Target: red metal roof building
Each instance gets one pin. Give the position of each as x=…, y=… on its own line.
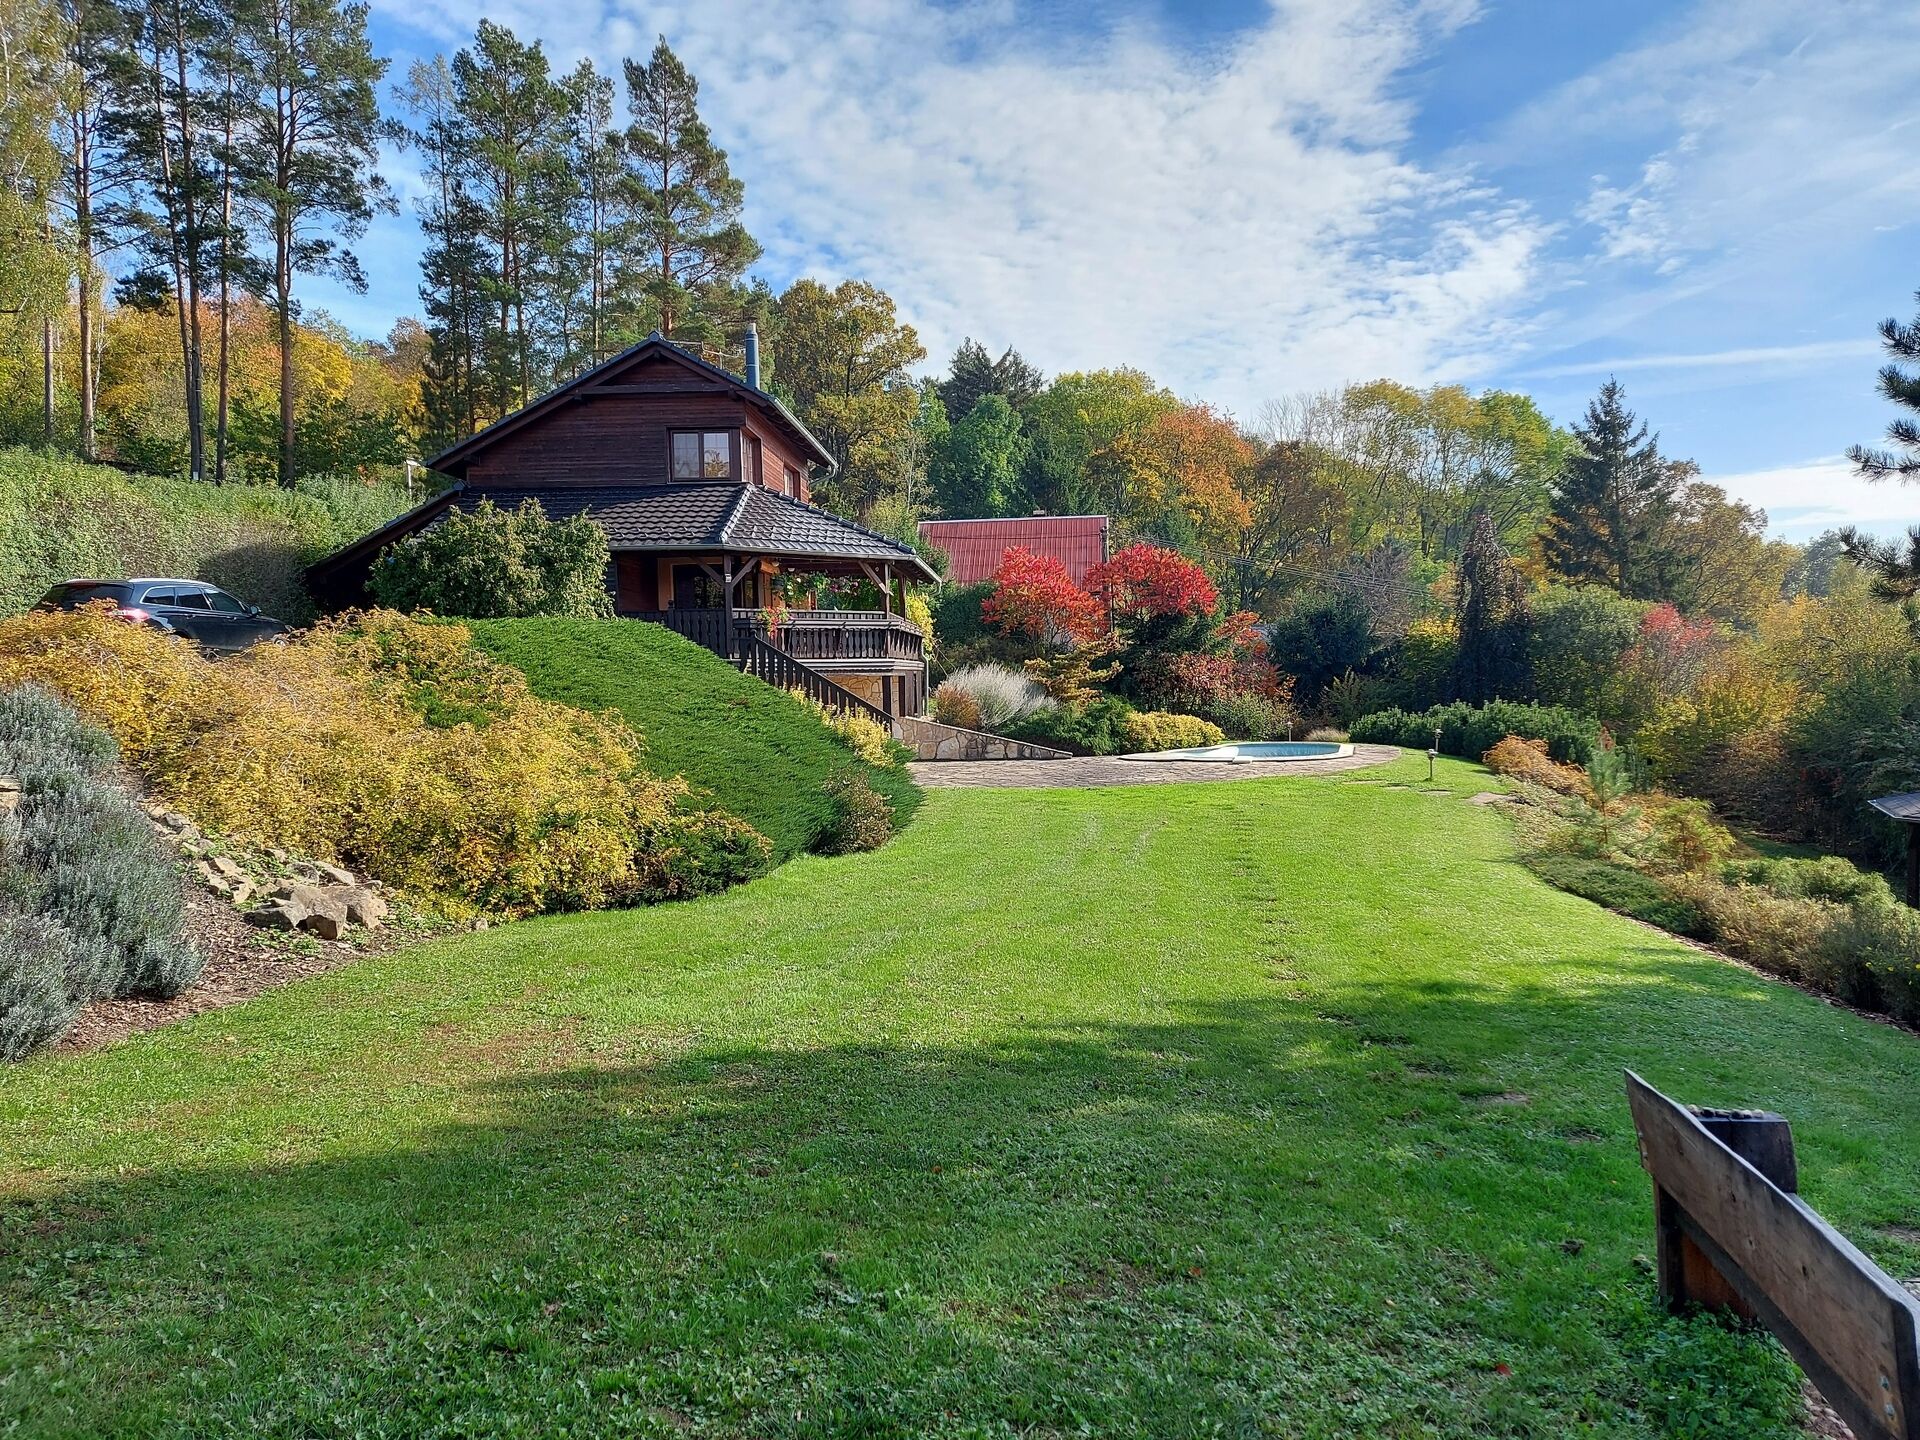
x=974, y=547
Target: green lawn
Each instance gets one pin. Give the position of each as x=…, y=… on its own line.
x=757, y=752
x=1284, y=1107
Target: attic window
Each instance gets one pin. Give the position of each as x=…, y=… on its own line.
x=703, y=455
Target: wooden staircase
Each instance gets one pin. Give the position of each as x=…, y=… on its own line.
x=765, y=662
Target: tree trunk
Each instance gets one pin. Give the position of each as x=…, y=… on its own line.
x=46, y=380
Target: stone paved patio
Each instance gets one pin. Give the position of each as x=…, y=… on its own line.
x=1110, y=770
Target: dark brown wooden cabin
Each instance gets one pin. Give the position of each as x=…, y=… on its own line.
x=703, y=484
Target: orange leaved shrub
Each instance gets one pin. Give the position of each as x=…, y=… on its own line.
x=1521, y=759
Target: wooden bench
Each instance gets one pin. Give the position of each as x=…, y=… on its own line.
x=1733, y=1235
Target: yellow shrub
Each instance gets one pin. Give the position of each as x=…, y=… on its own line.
x=377, y=740
x=865, y=736
x=1163, y=730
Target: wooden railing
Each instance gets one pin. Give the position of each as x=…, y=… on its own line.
x=1732, y=1234
x=780, y=669
x=803, y=634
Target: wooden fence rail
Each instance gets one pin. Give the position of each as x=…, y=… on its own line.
x=1733, y=1235
x=778, y=668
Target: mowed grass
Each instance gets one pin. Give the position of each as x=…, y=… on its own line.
x=1284, y=1107
x=754, y=751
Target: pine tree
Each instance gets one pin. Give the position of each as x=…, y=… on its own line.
x=512, y=124
x=309, y=156
x=32, y=282
x=974, y=374
x=158, y=116
x=450, y=270
x=598, y=231
x=1613, y=505
x=1902, y=387
x=690, y=250
x=1492, y=617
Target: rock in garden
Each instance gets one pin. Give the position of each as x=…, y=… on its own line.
x=9, y=793
x=365, y=908
x=325, y=924
x=280, y=915
x=174, y=820
x=226, y=866
x=242, y=892
x=325, y=911
x=334, y=873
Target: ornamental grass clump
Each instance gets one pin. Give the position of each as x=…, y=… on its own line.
x=385, y=743
x=999, y=696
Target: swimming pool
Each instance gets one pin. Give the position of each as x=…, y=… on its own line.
x=1247, y=751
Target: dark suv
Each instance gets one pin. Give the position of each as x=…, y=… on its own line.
x=203, y=613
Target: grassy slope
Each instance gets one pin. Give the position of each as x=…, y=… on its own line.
x=60, y=517
x=1270, y=1107
x=761, y=754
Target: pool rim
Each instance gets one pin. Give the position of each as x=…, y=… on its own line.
x=1210, y=754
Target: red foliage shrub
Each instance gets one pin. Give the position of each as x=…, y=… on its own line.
x=1034, y=595
x=1144, y=581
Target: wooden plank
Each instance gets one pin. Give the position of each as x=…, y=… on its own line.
x=1849, y=1325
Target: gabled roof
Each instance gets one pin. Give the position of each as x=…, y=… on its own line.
x=455, y=458
x=974, y=547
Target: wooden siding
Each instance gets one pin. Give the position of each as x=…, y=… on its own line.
x=616, y=432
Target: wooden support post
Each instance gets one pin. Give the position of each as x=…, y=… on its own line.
x=886, y=589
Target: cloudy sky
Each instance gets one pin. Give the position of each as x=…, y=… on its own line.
x=1714, y=200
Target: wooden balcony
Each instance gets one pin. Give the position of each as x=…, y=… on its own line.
x=843, y=639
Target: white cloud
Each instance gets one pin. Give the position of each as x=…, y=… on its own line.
x=1746, y=357
x=1802, y=500
x=1768, y=126
x=1239, y=222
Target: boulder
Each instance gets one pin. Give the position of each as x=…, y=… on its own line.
x=242, y=892
x=284, y=914
x=334, y=873
x=364, y=907
x=325, y=911
x=324, y=923
x=226, y=867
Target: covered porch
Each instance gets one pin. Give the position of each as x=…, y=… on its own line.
x=726, y=602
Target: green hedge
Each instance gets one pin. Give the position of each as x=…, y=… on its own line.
x=1628, y=891
x=60, y=518
x=1470, y=731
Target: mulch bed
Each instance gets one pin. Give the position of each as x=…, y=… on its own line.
x=242, y=961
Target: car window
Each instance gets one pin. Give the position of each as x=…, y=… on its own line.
x=72, y=595
x=224, y=603
x=191, y=600
x=157, y=596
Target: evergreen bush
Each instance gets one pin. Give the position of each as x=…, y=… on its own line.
x=1471, y=730
x=862, y=819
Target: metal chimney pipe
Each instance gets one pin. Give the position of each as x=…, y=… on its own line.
x=753, y=354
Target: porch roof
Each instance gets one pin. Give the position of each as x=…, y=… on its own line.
x=714, y=515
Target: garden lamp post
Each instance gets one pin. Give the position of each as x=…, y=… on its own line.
x=1906, y=809
x=1433, y=753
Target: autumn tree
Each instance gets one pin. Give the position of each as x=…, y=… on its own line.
x=1197, y=459
x=1298, y=521
x=688, y=250
x=1613, y=508
x=1035, y=597
x=1090, y=448
x=845, y=364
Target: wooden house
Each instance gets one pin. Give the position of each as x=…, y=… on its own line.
x=702, y=482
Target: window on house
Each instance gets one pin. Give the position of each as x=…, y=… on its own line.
x=790, y=482
x=703, y=455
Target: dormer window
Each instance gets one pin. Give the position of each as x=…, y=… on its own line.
x=703, y=455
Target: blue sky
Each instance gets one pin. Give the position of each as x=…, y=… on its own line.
x=1714, y=200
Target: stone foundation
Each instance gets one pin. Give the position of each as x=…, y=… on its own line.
x=930, y=740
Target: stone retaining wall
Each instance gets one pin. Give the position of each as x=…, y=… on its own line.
x=930, y=740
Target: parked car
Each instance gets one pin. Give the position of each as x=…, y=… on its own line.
x=203, y=613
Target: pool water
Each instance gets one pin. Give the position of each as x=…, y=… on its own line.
x=1248, y=750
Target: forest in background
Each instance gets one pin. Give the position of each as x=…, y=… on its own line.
x=182, y=170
